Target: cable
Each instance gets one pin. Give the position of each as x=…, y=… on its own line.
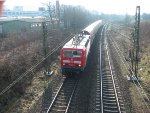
x=122, y=34
x=33, y=67
x=121, y=25
x=134, y=77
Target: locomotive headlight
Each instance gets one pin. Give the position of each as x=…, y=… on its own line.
x=79, y=65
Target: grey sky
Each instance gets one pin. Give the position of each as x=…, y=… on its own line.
x=105, y=6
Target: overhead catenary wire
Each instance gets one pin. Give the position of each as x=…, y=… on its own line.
x=131, y=71
x=120, y=25
x=122, y=35
x=33, y=67
x=141, y=92
x=137, y=86
x=129, y=67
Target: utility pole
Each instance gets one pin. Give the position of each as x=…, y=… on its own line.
x=135, y=41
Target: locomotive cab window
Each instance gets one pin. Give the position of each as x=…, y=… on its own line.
x=72, y=54
x=77, y=54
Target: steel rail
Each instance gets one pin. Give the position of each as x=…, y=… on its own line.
x=101, y=68
x=57, y=94
x=112, y=76
x=55, y=97
x=127, y=67
x=71, y=97
x=103, y=33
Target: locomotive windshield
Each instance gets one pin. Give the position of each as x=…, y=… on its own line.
x=72, y=54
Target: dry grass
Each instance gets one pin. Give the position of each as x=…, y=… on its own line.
x=18, y=52
x=137, y=103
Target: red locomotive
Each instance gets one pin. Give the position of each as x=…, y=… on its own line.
x=74, y=53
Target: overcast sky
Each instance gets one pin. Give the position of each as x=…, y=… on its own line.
x=105, y=6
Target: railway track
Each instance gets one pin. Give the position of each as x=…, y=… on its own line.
x=63, y=97
x=108, y=98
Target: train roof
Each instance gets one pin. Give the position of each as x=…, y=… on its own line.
x=80, y=41
x=73, y=45
x=89, y=28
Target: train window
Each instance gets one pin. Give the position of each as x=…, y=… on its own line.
x=77, y=54
x=68, y=54
x=72, y=54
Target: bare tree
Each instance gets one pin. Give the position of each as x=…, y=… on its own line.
x=51, y=12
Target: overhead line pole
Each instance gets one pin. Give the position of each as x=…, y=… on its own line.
x=135, y=42
x=45, y=45
x=137, y=30
x=45, y=50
